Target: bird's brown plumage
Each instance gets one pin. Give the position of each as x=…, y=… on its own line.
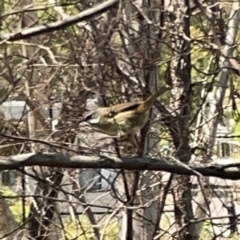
x=123, y=118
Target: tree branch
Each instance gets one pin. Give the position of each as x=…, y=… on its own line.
x=112, y=162
x=82, y=16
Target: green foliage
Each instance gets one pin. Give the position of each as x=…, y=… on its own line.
x=15, y=203
x=6, y=191
x=207, y=233
x=72, y=229
x=81, y=229
x=237, y=131
x=17, y=210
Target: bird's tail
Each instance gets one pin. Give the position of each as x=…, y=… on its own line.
x=148, y=103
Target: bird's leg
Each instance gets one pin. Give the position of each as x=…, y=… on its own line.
x=131, y=144
x=132, y=139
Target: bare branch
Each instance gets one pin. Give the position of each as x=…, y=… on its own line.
x=112, y=162
x=82, y=16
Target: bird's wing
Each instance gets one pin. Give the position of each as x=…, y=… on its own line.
x=110, y=112
x=122, y=107
x=95, y=113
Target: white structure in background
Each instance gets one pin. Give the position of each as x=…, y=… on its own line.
x=13, y=109
x=226, y=146
x=16, y=110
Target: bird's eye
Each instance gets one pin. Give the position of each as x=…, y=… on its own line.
x=111, y=114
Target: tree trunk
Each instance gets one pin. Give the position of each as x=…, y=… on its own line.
x=42, y=211
x=180, y=75
x=140, y=44
x=215, y=106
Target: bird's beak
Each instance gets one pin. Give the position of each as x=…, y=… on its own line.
x=84, y=124
x=94, y=120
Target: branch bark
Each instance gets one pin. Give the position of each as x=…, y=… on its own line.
x=112, y=162
x=82, y=16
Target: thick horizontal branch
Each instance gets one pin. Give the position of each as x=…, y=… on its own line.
x=82, y=16
x=230, y=171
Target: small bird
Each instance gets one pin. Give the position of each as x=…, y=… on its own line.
x=123, y=119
